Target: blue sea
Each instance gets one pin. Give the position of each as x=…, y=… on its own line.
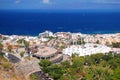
x=35, y=22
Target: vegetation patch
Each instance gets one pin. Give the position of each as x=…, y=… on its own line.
x=95, y=67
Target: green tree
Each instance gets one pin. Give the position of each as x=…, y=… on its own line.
x=96, y=58
x=68, y=77
x=108, y=56
x=1, y=47
x=9, y=48
x=45, y=63
x=116, y=74
x=100, y=73
x=22, y=54
x=26, y=44
x=56, y=71
x=75, y=55
x=33, y=77
x=65, y=64
x=114, y=63
x=23, y=42
x=78, y=63
x=20, y=41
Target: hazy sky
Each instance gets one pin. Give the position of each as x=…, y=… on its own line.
x=60, y=4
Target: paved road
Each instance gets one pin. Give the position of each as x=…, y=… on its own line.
x=13, y=58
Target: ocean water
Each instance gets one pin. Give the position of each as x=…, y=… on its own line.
x=35, y=22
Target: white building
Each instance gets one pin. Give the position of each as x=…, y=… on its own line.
x=46, y=34
x=87, y=49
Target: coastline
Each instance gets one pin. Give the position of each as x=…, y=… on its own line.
x=87, y=33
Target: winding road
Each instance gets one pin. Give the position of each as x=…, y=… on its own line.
x=13, y=58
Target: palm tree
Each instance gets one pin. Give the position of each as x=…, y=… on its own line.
x=101, y=73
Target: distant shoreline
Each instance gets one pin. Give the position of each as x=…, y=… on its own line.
x=94, y=33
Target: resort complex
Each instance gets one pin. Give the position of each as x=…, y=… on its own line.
x=87, y=49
